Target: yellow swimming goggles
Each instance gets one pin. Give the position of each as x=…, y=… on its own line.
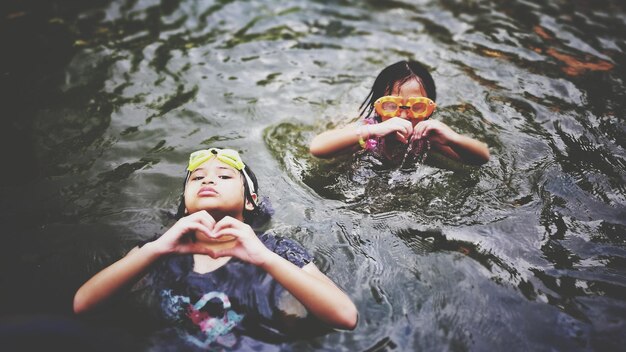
x=227, y=156
x=419, y=108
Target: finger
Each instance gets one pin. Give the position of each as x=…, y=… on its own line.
x=197, y=214
x=205, y=218
x=209, y=224
x=402, y=127
x=413, y=135
x=187, y=225
x=424, y=127
x=200, y=217
x=194, y=248
x=409, y=127
x=229, y=231
x=401, y=138
x=429, y=130
x=419, y=130
x=198, y=227
x=226, y=222
x=225, y=252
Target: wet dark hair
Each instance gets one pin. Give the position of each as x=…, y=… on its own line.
x=397, y=74
x=249, y=216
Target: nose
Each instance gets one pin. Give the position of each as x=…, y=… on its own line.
x=208, y=180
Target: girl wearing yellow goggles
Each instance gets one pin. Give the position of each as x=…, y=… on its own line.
x=231, y=158
x=228, y=156
x=394, y=116
x=211, y=252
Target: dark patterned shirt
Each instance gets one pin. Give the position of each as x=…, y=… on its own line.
x=227, y=306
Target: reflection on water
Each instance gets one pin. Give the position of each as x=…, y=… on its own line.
x=104, y=101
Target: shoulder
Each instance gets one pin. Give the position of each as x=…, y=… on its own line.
x=286, y=248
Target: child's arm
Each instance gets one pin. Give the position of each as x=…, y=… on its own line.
x=308, y=285
x=314, y=290
x=127, y=270
x=331, y=143
x=334, y=142
x=113, y=278
x=451, y=143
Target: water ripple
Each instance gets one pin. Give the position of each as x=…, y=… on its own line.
x=526, y=251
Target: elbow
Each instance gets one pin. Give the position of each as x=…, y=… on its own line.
x=323, y=150
x=348, y=318
x=322, y=146
x=319, y=153
x=316, y=149
x=479, y=158
x=479, y=161
x=80, y=304
x=351, y=321
x=485, y=155
x=483, y=158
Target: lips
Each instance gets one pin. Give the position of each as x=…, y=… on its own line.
x=207, y=192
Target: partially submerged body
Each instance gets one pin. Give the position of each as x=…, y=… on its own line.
x=395, y=126
x=212, y=258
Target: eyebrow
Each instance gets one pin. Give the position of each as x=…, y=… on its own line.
x=194, y=171
x=226, y=168
x=219, y=168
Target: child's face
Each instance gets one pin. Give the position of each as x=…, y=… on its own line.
x=410, y=88
x=217, y=188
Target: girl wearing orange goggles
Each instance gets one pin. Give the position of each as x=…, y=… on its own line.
x=396, y=114
x=418, y=108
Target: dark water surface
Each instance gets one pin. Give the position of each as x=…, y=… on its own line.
x=103, y=101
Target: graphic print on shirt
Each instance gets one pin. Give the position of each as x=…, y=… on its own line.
x=212, y=329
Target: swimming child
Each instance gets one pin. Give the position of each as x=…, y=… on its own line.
x=395, y=116
x=215, y=280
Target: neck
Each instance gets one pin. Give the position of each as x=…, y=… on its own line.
x=218, y=215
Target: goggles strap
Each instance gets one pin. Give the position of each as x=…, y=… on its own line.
x=250, y=183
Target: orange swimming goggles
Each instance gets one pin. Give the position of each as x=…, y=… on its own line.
x=418, y=108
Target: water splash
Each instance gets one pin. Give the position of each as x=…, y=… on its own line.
x=423, y=147
x=413, y=155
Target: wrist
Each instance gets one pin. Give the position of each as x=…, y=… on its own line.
x=359, y=136
x=363, y=134
x=154, y=249
x=366, y=131
x=269, y=261
x=371, y=131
